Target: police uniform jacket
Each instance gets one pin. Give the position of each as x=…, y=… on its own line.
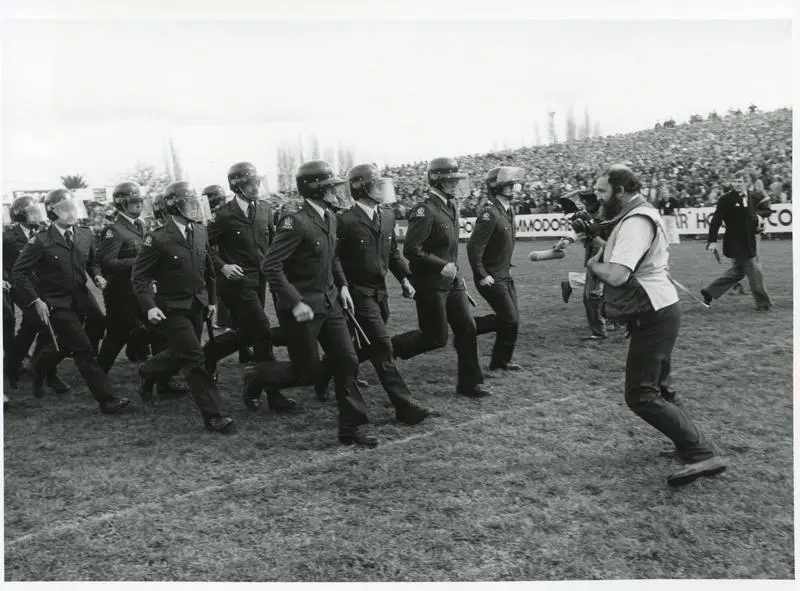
x=367, y=251
x=50, y=269
x=237, y=241
x=14, y=241
x=184, y=274
x=741, y=222
x=120, y=243
x=432, y=242
x=491, y=244
x=301, y=264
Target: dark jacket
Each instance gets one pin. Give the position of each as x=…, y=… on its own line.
x=741, y=223
x=301, y=263
x=119, y=244
x=367, y=252
x=236, y=241
x=184, y=275
x=491, y=243
x=50, y=269
x=432, y=242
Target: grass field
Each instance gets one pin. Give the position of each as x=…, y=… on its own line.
x=551, y=478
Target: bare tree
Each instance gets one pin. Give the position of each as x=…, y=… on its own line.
x=73, y=182
x=176, y=169
x=572, y=126
x=596, y=129
x=551, y=127
x=315, y=152
x=536, y=134
x=586, y=129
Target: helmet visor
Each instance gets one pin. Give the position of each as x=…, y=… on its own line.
x=511, y=175
x=195, y=208
x=35, y=213
x=459, y=188
x=253, y=188
x=381, y=191
x=70, y=210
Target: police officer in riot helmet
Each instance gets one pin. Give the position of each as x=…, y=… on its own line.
x=50, y=275
x=176, y=257
x=304, y=272
x=490, y=248
x=431, y=247
x=28, y=217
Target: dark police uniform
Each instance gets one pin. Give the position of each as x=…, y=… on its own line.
x=50, y=268
x=739, y=213
x=432, y=242
x=184, y=272
x=120, y=243
x=489, y=249
x=301, y=265
x=368, y=249
x=16, y=347
x=235, y=239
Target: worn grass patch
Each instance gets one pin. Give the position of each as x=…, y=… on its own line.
x=551, y=478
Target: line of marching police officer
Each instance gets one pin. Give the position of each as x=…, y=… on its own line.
x=325, y=270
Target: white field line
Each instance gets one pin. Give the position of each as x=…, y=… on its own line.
x=80, y=523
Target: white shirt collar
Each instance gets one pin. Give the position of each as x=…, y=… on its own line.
x=64, y=230
x=370, y=211
x=25, y=231
x=243, y=204
x=441, y=196
x=181, y=226
x=317, y=208
x=129, y=218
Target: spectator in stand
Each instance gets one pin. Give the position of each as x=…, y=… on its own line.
x=668, y=207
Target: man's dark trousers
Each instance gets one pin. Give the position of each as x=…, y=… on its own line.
x=435, y=309
x=329, y=329
x=372, y=313
x=122, y=312
x=647, y=370
x=183, y=330
x=72, y=340
x=502, y=297
x=246, y=305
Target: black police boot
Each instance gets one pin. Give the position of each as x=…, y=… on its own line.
x=38, y=382
x=411, y=414
x=114, y=406
x=278, y=402
x=219, y=424
x=566, y=291
x=251, y=389
x=53, y=381
x=360, y=435
x=476, y=391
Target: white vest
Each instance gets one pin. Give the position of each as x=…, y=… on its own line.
x=652, y=273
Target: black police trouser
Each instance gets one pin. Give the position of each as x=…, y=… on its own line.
x=372, y=314
x=329, y=329
x=435, y=309
x=20, y=344
x=647, y=370
x=94, y=324
x=123, y=314
x=67, y=324
x=9, y=324
x=183, y=330
x=246, y=305
x=502, y=297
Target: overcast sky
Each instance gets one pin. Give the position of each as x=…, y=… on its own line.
x=95, y=97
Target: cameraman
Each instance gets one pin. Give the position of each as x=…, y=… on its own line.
x=633, y=265
x=593, y=301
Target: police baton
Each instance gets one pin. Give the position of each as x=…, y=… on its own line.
x=359, y=331
x=469, y=297
x=53, y=335
x=210, y=329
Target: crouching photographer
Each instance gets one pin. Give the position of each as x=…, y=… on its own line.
x=638, y=290
x=583, y=209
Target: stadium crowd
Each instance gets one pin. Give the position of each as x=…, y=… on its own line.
x=690, y=162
